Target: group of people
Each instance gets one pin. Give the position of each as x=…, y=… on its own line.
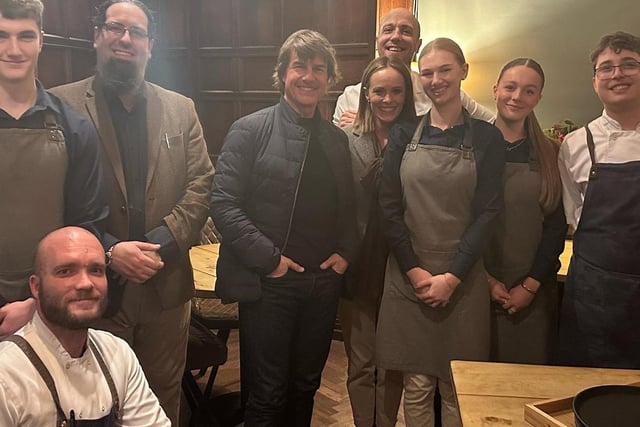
x=431, y=225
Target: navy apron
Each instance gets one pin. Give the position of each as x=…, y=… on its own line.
x=600, y=314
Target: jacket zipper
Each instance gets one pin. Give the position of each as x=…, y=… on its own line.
x=295, y=196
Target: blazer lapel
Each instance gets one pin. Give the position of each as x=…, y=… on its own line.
x=101, y=117
x=364, y=149
x=154, y=132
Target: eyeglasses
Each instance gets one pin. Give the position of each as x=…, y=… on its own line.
x=627, y=68
x=118, y=30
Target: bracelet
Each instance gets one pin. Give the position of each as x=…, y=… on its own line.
x=531, y=291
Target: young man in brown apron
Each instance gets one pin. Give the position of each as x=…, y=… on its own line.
x=57, y=372
x=600, y=171
x=49, y=166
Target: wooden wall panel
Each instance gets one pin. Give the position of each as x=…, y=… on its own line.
x=218, y=112
x=218, y=73
x=52, y=67
x=259, y=26
x=213, y=22
x=250, y=80
x=78, y=18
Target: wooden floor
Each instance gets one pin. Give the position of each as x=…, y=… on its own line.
x=332, y=407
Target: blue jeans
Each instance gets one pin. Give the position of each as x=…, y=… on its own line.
x=286, y=337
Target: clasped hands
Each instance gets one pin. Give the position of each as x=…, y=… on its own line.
x=516, y=299
x=435, y=291
x=135, y=261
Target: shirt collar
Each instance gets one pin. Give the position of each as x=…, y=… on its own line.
x=44, y=101
x=52, y=342
x=612, y=125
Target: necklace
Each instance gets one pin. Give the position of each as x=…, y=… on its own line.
x=513, y=145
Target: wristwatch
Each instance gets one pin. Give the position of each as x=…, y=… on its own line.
x=108, y=255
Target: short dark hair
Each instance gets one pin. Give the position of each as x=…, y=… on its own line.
x=616, y=42
x=308, y=44
x=22, y=9
x=101, y=14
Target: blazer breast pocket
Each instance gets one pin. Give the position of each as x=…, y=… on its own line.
x=174, y=144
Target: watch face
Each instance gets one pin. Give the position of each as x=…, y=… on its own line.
x=107, y=257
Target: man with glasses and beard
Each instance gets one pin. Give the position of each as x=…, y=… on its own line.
x=158, y=176
x=57, y=369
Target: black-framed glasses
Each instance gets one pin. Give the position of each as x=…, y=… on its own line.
x=629, y=67
x=118, y=30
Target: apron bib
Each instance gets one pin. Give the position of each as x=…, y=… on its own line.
x=33, y=167
x=108, y=420
x=524, y=337
x=438, y=184
x=600, y=315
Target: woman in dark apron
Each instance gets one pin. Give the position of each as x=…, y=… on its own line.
x=440, y=194
x=522, y=256
x=386, y=96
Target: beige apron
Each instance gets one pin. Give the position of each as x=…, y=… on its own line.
x=438, y=185
x=33, y=167
x=524, y=337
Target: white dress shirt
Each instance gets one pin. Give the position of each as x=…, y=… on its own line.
x=349, y=99
x=25, y=399
x=612, y=145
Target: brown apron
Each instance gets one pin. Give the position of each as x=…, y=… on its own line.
x=33, y=167
x=524, y=337
x=438, y=184
x=109, y=420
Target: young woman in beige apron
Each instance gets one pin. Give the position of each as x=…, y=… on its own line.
x=522, y=256
x=441, y=191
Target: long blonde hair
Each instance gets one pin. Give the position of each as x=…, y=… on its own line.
x=546, y=148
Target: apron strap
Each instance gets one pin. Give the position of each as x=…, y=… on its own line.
x=107, y=375
x=51, y=124
x=31, y=354
x=415, y=139
x=593, y=172
x=50, y=121
x=467, y=142
x=534, y=162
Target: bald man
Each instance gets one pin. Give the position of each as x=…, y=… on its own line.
x=399, y=38
x=94, y=375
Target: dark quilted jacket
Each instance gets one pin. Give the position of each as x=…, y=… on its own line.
x=253, y=195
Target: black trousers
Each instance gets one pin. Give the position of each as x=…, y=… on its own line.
x=285, y=338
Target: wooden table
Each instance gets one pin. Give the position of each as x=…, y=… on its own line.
x=203, y=260
x=494, y=394
x=565, y=258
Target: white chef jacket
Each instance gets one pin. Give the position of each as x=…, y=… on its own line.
x=612, y=145
x=25, y=399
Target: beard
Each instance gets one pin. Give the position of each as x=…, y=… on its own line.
x=57, y=312
x=119, y=76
